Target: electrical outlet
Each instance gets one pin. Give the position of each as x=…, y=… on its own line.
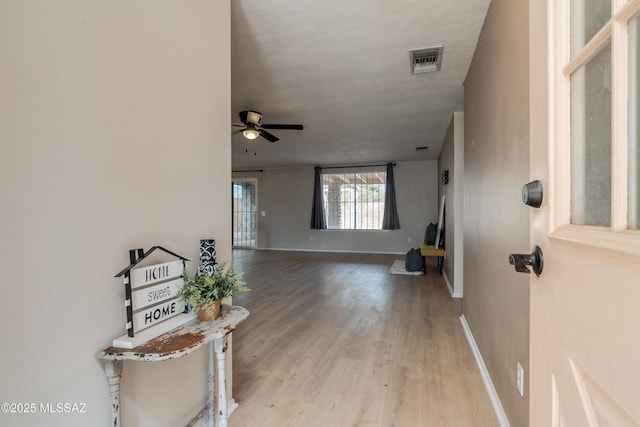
x=520, y=378
x=409, y=240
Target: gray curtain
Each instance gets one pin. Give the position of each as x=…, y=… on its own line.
x=390, y=220
x=318, y=221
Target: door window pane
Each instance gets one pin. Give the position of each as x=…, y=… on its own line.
x=634, y=116
x=244, y=214
x=591, y=141
x=587, y=18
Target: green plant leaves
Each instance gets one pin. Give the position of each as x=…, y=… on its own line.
x=200, y=289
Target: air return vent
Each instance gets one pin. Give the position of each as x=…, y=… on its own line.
x=426, y=60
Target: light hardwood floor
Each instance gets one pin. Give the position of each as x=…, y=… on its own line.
x=335, y=340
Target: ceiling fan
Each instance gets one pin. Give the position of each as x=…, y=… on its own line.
x=253, y=128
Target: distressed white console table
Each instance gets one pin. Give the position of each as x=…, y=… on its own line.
x=179, y=342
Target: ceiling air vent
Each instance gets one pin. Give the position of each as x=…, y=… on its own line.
x=426, y=60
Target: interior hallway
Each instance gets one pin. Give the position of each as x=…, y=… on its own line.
x=335, y=340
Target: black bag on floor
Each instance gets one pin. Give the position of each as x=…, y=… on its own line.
x=413, y=260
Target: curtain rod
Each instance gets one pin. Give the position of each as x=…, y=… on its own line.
x=352, y=167
x=251, y=170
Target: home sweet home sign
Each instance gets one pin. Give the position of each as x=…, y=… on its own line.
x=151, y=300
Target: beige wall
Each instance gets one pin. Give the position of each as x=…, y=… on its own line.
x=446, y=162
x=496, y=222
x=451, y=159
x=286, y=195
x=114, y=133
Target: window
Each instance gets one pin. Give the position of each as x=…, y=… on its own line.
x=596, y=119
x=354, y=201
x=591, y=141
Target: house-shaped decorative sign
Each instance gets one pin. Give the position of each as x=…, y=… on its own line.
x=151, y=301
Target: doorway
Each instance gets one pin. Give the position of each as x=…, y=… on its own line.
x=244, y=213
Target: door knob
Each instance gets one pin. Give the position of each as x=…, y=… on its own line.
x=534, y=259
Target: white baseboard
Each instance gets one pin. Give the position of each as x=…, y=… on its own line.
x=451, y=291
x=326, y=251
x=232, y=405
x=493, y=394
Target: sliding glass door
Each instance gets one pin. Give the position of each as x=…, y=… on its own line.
x=244, y=214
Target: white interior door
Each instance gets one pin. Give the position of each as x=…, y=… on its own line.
x=585, y=306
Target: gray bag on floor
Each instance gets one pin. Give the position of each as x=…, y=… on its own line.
x=413, y=260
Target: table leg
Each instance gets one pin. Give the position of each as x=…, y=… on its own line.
x=113, y=370
x=220, y=348
x=212, y=385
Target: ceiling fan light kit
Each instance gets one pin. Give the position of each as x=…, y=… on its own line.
x=251, y=132
x=253, y=128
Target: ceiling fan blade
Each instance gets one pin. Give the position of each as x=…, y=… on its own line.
x=237, y=126
x=243, y=116
x=287, y=127
x=268, y=136
x=235, y=132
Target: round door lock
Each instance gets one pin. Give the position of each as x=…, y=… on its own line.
x=532, y=194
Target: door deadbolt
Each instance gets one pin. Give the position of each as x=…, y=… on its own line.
x=532, y=194
x=534, y=259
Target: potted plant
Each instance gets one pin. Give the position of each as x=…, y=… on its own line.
x=204, y=292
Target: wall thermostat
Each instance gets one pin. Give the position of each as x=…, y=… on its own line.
x=445, y=177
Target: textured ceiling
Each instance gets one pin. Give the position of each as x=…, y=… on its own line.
x=342, y=70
